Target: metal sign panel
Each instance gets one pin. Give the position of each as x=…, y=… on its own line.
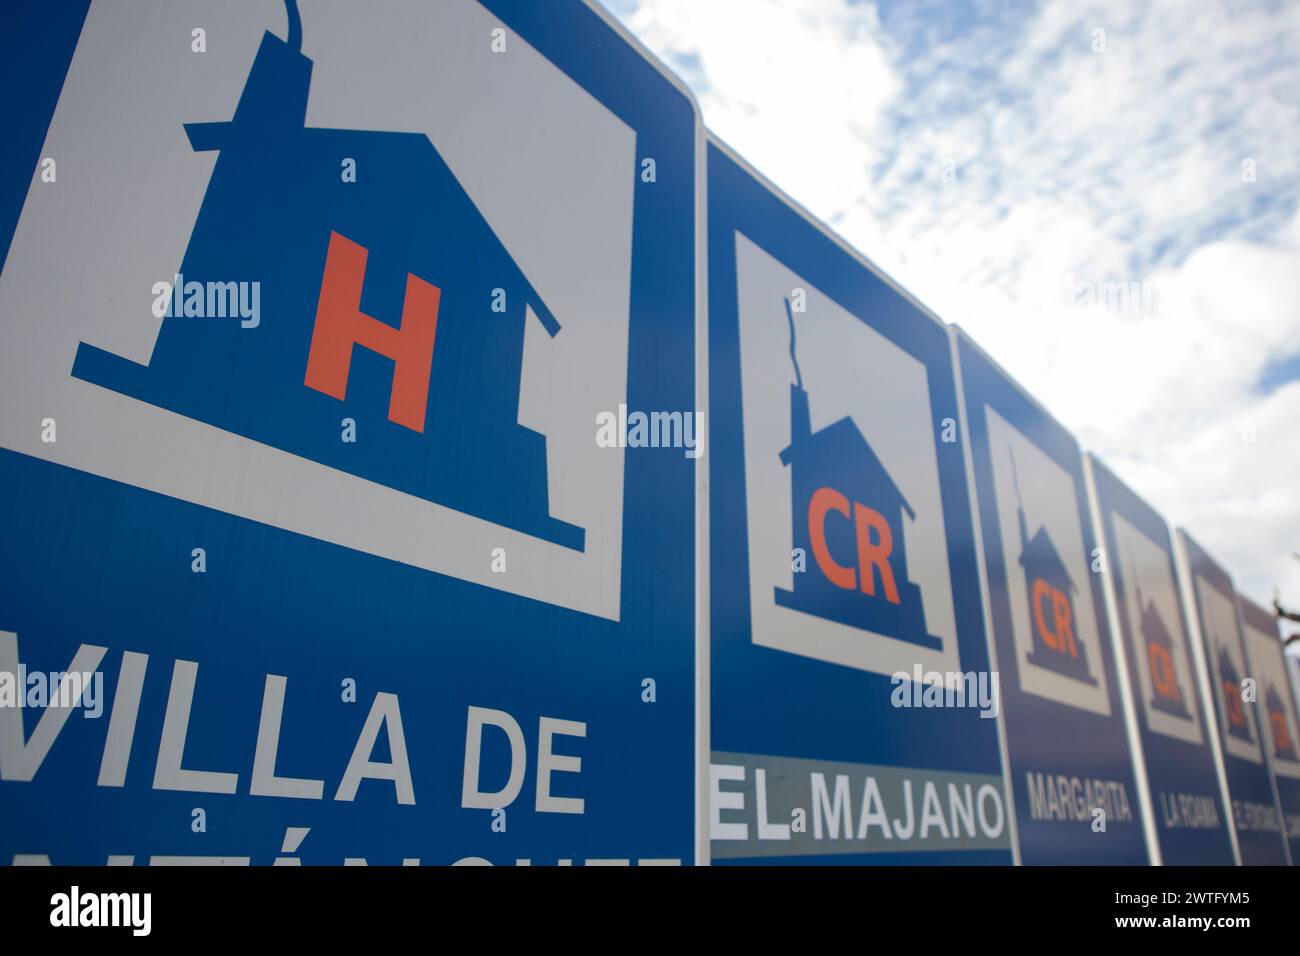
x=1188, y=807
x=329, y=340
x=1072, y=773
x=1275, y=714
x=853, y=719
x=1254, y=810
x=1293, y=670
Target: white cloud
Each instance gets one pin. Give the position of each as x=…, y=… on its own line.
x=797, y=88
x=1123, y=166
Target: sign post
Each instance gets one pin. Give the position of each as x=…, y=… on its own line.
x=1187, y=797
x=1275, y=713
x=854, y=711
x=1072, y=775
x=325, y=452
x=1213, y=602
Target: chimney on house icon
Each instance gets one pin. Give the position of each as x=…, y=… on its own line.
x=848, y=516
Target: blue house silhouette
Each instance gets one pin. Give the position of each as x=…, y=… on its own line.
x=839, y=457
x=1042, y=562
x=1283, y=743
x=1230, y=688
x=275, y=197
x=1159, y=645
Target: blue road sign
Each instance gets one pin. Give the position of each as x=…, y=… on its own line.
x=853, y=718
x=313, y=546
x=1254, y=809
x=1187, y=802
x=1071, y=768
x=1275, y=713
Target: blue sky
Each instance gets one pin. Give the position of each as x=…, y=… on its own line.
x=1105, y=194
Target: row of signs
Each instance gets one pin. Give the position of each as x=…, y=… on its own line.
x=552, y=490
x=953, y=530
